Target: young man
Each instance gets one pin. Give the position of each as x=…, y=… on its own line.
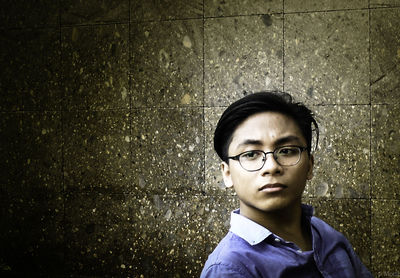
x=264, y=141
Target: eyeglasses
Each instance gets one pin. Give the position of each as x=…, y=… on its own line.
x=254, y=160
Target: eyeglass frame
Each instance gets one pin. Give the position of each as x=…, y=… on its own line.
x=237, y=157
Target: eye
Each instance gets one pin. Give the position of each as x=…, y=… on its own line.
x=287, y=151
x=251, y=155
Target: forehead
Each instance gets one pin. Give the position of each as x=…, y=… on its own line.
x=266, y=127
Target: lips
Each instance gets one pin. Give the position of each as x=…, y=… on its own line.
x=272, y=187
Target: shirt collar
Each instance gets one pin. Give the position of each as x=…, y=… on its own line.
x=253, y=232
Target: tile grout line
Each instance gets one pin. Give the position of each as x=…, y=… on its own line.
x=169, y=107
x=370, y=134
x=204, y=106
x=130, y=92
x=191, y=18
x=130, y=76
x=129, y=57
x=62, y=120
x=283, y=45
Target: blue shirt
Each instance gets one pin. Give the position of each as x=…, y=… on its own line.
x=251, y=250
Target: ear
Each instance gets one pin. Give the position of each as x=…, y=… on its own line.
x=226, y=174
x=310, y=167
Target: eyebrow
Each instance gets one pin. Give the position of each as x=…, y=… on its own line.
x=250, y=142
x=287, y=139
x=280, y=141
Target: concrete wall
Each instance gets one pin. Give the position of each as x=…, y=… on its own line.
x=107, y=115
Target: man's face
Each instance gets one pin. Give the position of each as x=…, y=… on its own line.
x=273, y=187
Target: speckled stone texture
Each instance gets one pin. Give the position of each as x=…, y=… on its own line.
x=384, y=3
x=97, y=151
x=214, y=182
x=231, y=66
x=167, y=66
x=330, y=64
x=107, y=114
x=385, y=56
x=31, y=193
x=144, y=10
x=30, y=77
x=385, y=160
x=92, y=11
x=343, y=154
x=386, y=237
x=167, y=151
x=217, y=8
x=95, y=66
x=323, y=5
x=27, y=14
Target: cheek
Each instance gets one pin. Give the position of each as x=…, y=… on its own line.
x=237, y=179
x=302, y=173
x=241, y=179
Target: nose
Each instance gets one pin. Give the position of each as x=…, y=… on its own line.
x=271, y=167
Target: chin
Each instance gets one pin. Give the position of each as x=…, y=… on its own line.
x=277, y=205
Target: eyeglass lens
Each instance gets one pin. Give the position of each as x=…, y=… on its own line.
x=284, y=156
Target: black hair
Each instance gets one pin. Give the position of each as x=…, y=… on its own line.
x=265, y=101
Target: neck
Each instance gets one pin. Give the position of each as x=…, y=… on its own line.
x=280, y=221
x=285, y=222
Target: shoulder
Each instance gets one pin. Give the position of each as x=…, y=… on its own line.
x=333, y=248
x=325, y=229
x=326, y=235
x=227, y=259
x=223, y=270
